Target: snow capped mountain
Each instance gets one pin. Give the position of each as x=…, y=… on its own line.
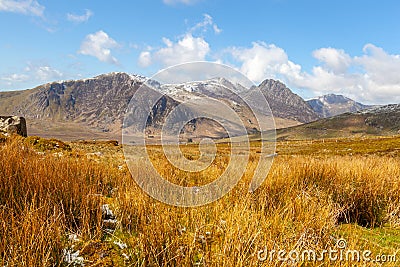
x=95, y=107
x=217, y=87
x=331, y=105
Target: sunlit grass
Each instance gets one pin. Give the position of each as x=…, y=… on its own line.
x=314, y=193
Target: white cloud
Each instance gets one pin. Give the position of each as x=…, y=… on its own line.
x=80, y=18
x=99, y=45
x=42, y=72
x=334, y=60
x=187, y=49
x=32, y=73
x=45, y=73
x=204, y=25
x=371, y=78
x=381, y=74
x=186, y=2
x=26, y=7
x=216, y=29
x=145, y=59
x=14, y=78
x=264, y=60
x=379, y=65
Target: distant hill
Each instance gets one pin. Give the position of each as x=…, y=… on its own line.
x=331, y=105
x=378, y=121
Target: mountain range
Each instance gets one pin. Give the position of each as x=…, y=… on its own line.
x=94, y=108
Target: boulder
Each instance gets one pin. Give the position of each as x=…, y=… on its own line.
x=13, y=125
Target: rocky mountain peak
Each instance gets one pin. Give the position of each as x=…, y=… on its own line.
x=286, y=104
x=120, y=75
x=272, y=84
x=334, y=99
x=332, y=104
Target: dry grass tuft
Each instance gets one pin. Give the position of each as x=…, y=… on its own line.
x=42, y=198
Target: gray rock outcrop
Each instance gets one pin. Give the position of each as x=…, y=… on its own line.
x=13, y=125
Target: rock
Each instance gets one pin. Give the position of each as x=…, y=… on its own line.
x=13, y=125
x=72, y=258
x=109, y=219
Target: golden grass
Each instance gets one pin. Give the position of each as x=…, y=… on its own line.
x=43, y=197
x=299, y=207
x=309, y=199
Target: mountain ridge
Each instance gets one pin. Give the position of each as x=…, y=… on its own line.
x=95, y=107
x=376, y=121
x=332, y=104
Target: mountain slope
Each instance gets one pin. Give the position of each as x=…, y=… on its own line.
x=379, y=121
x=94, y=108
x=233, y=95
x=74, y=109
x=331, y=105
x=285, y=104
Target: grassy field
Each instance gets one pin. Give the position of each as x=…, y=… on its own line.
x=69, y=204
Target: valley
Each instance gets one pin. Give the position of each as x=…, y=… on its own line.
x=70, y=194
x=94, y=108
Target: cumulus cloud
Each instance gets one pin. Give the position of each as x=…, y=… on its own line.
x=264, y=60
x=370, y=78
x=31, y=73
x=26, y=7
x=335, y=60
x=379, y=65
x=185, y=2
x=186, y=49
x=99, y=45
x=80, y=18
x=43, y=73
x=192, y=46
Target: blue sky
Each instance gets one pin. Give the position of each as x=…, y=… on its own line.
x=314, y=46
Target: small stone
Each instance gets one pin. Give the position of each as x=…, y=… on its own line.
x=107, y=212
x=120, y=244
